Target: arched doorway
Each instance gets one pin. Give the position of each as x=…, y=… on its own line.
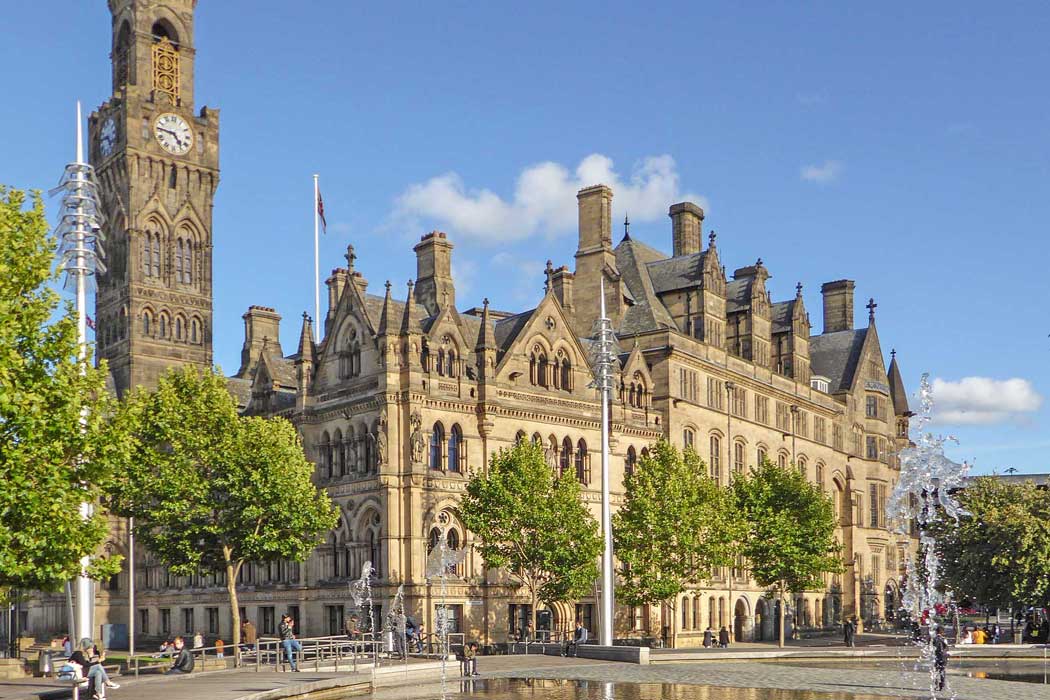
x=889, y=603
x=743, y=629
x=764, y=628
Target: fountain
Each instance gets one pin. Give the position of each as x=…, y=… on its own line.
x=923, y=494
x=397, y=623
x=361, y=593
x=440, y=562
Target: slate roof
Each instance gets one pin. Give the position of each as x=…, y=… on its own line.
x=669, y=274
x=898, y=393
x=647, y=311
x=782, y=312
x=738, y=294
x=835, y=356
x=240, y=389
x=507, y=329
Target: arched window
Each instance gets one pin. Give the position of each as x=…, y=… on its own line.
x=566, y=375
x=324, y=454
x=532, y=370
x=520, y=437
x=455, y=444
x=338, y=454
x=195, y=331
x=156, y=255
x=147, y=254
x=761, y=456
x=542, y=370
x=178, y=260
x=424, y=357
x=566, y=455
x=631, y=462
x=452, y=540
x=583, y=463
x=716, y=459
x=441, y=363
x=556, y=375
x=630, y=396
x=433, y=539
x=688, y=439
x=782, y=460
x=437, y=440
x=820, y=476
x=451, y=369
x=801, y=464
x=147, y=323
x=375, y=553
x=163, y=325
x=645, y=452
x=355, y=359
x=187, y=262
x=537, y=439
x=738, y=458
x=178, y=328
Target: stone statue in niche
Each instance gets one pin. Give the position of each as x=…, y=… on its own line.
x=417, y=441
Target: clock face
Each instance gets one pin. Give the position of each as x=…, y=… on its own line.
x=173, y=134
x=107, y=137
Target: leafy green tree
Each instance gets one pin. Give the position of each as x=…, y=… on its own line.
x=676, y=525
x=790, y=530
x=999, y=554
x=534, y=524
x=55, y=445
x=211, y=490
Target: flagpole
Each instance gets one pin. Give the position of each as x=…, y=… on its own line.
x=317, y=269
x=608, y=585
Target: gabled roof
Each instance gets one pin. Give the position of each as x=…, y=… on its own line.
x=647, y=311
x=507, y=329
x=669, y=274
x=836, y=355
x=782, y=312
x=738, y=294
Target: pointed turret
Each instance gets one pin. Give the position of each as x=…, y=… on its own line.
x=386, y=325
x=897, y=392
x=409, y=319
x=304, y=362
x=486, y=335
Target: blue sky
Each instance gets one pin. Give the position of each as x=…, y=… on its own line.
x=904, y=146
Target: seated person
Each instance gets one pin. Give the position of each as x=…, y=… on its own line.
x=579, y=637
x=184, y=661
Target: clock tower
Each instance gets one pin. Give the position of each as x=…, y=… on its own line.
x=157, y=161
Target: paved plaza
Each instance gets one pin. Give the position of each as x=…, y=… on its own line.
x=740, y=671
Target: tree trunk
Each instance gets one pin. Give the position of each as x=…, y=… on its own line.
x=672, y=622
x=235, y=610
x=532, y=613
x=780, y=616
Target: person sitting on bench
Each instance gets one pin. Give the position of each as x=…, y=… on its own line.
x=579, y=637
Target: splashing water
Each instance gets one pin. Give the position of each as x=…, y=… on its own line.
x=361, y=592
x=923, y=495
x=440, y=562
x=397, y=623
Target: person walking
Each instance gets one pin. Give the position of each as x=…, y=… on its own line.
x=291, y=645
x=248, y=637
x=220, y=649
x=183, y=660
x=723, y=638
x=578, y=638
x=709, y=637
x=850, y=632
x=940, y=657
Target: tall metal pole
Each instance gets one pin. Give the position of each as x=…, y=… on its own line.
x=608, y=590
x=79, y=231
x=85, y=588
x=131, y=587
x=317, y=265
x=730, y=389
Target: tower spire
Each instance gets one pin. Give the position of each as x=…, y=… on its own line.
x=385, y=317
x=486, y=336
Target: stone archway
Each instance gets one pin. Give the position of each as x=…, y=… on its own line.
x=763, y=628
x=743, y=625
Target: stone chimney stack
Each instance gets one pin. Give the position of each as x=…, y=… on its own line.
x=838, y=305
x=687, y=227
x=336, y=284
x=434, y=288
x=261, y=323
x=595, y=208
x=562, y=282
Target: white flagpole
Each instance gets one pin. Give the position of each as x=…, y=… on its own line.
x=317, y=268
x=608, y=590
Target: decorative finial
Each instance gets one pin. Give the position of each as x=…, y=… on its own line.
x=306, y=317
x=871, y=308
x=626, y=228
x=387, y=285
x=798, y=289
x=893, y=354
x=711, y=238
x=550, y=276
x=350, y=257
x=758, y=263
x=410, y=285
x=485, y=302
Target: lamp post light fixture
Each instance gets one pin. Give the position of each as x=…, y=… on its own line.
x=80, y=237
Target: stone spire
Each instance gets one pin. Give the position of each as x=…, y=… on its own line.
x=409, y=320
x=898, y=394
x=304, y=363
x=386, y=317
x=486, y=336
x=306, y=340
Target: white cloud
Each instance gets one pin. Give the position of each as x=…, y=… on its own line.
x=544, y=199
x=983, y=401
x=828, y=171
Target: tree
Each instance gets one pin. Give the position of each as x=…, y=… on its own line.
x=676, y=525
x=211, y=490
x=790, y=530
x=534, y=524
x=999, y=553
x=55, y=445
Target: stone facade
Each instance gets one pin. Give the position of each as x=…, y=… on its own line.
x=407, y=394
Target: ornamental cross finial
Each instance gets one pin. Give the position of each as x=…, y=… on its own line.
x=626, y=228
x=871, y=308
x=350, y=257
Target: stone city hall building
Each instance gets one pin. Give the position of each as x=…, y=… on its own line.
x=409, y=391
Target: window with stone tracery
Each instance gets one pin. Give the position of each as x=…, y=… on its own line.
x=165, y=62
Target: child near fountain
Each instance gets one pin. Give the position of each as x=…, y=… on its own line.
x=469, y=660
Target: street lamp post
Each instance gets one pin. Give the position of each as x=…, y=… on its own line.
x=80, y=235
x=794, y=430
x=604, y=357
x=730, y=389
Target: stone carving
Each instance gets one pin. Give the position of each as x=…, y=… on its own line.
x=418, y=442
x=381, y=444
